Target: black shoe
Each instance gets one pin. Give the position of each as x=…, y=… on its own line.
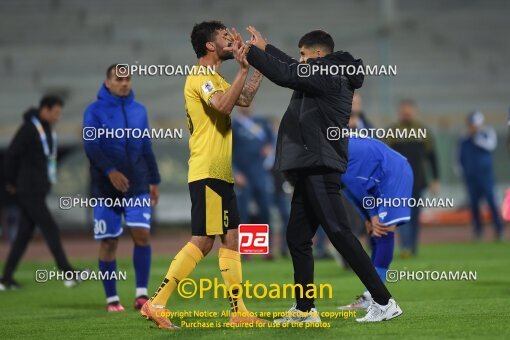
x=9, y=284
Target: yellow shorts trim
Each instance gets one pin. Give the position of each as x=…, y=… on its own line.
x=213, y=212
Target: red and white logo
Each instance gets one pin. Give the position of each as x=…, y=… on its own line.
x=254, y=238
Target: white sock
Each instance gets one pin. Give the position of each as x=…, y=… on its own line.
x=111, y=299
x=367, y=294
x=141, y=291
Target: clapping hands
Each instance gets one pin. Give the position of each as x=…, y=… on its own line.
x=240, y=49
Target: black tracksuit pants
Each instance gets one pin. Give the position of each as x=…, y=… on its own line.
x=34, y=212
x=317, y=200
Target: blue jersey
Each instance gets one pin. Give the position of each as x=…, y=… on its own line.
x=376, y=170
x=131, y=156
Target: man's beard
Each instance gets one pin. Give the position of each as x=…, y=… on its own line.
x=226, y=56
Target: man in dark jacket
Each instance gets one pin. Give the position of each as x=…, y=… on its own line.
x=121, y=167
x=314, y=160
x=419, y=152
x=476, y=160
x=30, y=169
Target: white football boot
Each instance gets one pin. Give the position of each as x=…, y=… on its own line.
x=361, y=302
x=376, y=312
x=295, y=315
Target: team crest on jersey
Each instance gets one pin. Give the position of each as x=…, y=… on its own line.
x=208, y=87
x=383, y=215
x=147, y=216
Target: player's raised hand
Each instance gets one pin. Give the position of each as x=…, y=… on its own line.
x=256, y=38
x=230, y=38
x=240, y=55
x=240, y=50
x=234, y=38
x=237, y=38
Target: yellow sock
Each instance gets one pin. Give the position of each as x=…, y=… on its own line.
x=232, y=273
x=182, y=265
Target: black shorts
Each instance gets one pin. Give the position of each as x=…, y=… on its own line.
x=213, y=207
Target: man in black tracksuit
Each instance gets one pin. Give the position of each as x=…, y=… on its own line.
x=30, y=164
x=314, y=162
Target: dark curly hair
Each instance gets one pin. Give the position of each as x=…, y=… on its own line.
x=203, y=33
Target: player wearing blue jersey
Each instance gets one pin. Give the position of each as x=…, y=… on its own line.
x=123, y=168
x=379, y=182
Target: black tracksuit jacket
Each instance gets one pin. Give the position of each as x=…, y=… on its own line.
x=318, y=102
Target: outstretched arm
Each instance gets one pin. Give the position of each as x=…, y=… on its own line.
x=225, y=101
x=286, y=75
x=250, y=89
x=279, y=54
x=259, y=41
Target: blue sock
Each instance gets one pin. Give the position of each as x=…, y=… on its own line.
x=110, y=286
x=382, y=253
x=381, y=272
x=142, y=264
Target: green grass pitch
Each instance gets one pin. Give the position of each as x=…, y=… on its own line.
x=432, y=309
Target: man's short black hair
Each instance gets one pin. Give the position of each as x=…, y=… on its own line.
x=317, y=38
x=50, y=101
x=110, y=69
x=203, y=33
